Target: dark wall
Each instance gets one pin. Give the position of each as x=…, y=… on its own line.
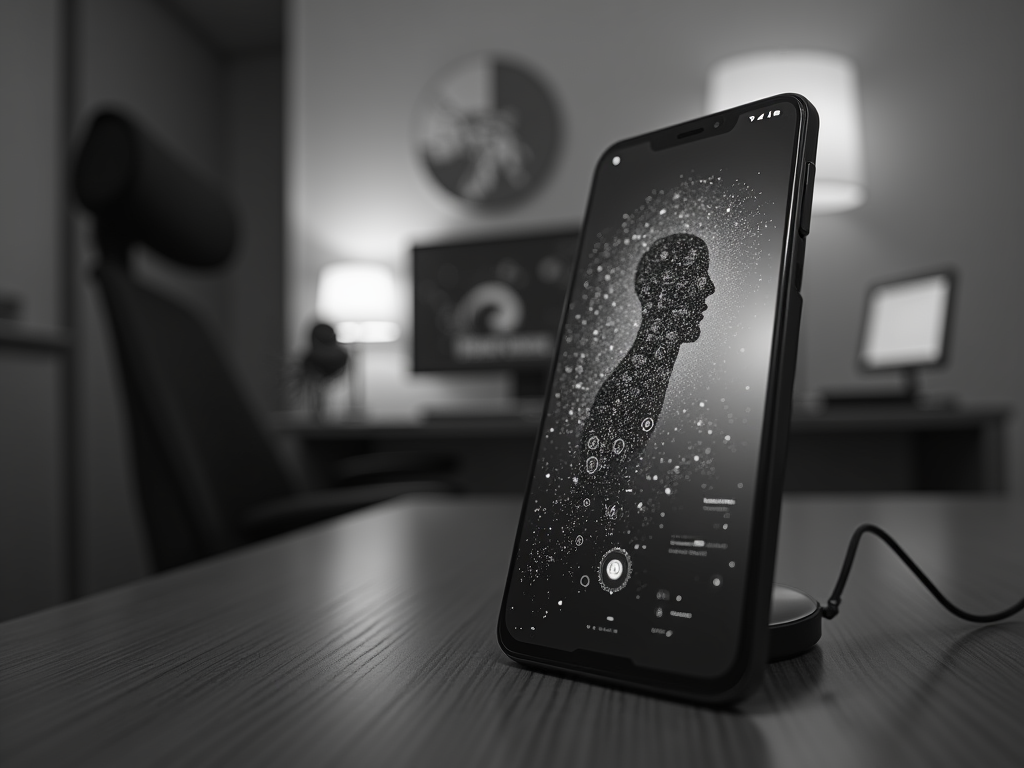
x=32, y=469
x=254, y=137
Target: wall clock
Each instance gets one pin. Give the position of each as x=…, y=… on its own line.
x=488, y=131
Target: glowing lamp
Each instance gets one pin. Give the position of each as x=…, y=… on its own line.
x=830, y=82
x=358, y=299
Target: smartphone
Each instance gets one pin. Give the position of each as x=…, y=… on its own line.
x=646, y=545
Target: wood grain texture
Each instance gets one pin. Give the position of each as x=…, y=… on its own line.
x=369, y=640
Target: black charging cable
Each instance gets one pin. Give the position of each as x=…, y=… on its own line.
x=830, y=610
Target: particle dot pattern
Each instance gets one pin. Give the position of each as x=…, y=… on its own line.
x=649, y=407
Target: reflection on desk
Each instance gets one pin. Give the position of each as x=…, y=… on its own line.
x=369, y=640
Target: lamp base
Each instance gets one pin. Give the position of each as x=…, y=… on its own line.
x=794, y=623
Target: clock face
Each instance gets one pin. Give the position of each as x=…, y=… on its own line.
x=487, y=130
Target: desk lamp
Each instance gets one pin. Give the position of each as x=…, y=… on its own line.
x=358, y=299
x=830, y=82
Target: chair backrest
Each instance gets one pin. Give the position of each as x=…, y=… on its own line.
x=201, y=457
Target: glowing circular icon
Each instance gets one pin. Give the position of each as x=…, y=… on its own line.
x=584, y=581
x=647, y=424
x=614, y=570
x=579, y=541
x=593, y=442
x=592, y=464
x=618, y=446
x=586, y=502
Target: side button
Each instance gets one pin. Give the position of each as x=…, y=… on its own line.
x=805, y=211
x=798, y=264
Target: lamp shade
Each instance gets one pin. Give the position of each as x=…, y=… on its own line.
x=830, y=82
x=358, y=299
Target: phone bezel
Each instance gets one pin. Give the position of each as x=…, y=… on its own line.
x=746, y=670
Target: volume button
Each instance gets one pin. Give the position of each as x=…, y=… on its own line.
x=805, y=209
x=798, y=264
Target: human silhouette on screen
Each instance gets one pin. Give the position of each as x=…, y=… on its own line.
x=672, y=283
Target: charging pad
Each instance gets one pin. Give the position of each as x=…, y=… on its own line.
x=794, y=623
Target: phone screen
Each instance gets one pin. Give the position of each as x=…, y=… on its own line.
x=636, y=530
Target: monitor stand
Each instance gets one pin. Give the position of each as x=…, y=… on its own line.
x=794, y=623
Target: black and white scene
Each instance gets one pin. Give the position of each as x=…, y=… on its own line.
x=460, y=383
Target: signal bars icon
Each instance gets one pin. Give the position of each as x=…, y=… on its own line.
x=769, y=114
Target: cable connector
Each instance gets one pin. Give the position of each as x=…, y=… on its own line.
x=830, y=610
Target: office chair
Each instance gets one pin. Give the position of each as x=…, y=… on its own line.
x=208, y=477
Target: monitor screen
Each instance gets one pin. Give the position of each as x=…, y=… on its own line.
x=490, y=305
x=906, y=322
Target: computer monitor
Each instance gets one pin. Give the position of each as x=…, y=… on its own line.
x=906, y=325
x=492, y=304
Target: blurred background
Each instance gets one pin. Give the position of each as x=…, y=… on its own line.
x=319, y=121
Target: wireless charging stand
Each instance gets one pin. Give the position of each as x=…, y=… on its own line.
x=794, y=623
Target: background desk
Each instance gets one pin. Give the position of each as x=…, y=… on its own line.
x=897, y=449
x=369, y=640
x=860, y=450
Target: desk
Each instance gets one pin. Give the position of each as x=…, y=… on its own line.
x=369, y=640
x=897, y=449
x=491, y=455
x=868, y=450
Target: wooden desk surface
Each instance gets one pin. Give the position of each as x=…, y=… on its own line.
x=369, y=640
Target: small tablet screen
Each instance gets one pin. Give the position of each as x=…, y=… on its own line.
x=905, y=323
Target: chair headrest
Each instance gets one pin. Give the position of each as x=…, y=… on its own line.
x=143, y=193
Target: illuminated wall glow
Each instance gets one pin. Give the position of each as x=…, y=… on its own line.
x=830, y=82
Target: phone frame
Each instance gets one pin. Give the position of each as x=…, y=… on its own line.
x=746, y=671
